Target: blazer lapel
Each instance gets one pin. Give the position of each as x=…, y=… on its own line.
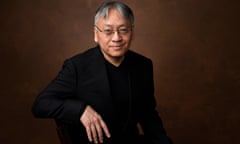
x=98, y=74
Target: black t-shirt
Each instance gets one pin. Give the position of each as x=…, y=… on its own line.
x=118, y=77
x=119, y=85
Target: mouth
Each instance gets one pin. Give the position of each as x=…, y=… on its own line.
x=116, y=47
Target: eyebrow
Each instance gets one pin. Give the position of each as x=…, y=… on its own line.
x=122, y=25
x=119, y=26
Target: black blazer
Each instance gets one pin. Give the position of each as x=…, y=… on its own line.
x=83, y=81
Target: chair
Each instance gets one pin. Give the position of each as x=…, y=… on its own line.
x=65, y=138
x=63, y=134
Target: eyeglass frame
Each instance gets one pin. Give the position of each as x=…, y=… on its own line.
x=111, y=32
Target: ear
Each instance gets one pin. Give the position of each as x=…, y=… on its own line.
x=95, y=35
x=132, y=34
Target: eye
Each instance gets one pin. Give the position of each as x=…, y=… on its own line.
x=108, y=31
x=123, y=30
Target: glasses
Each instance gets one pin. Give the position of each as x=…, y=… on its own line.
x=110, y=32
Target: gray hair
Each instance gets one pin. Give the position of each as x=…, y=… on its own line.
x=124, y=10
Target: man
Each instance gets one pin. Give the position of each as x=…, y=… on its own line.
x=100, y=95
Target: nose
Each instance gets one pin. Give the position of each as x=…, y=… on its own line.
x=116, y=36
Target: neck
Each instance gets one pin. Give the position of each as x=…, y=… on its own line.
x=116, y=61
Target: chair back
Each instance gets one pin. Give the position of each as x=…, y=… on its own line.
x=63, y=134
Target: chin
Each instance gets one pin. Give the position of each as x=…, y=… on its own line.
x=118, y=54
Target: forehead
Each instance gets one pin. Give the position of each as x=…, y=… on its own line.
x=114, y=18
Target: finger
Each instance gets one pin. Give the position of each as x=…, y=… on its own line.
x=89, y=135
x=94, y=134
x=105, y=128
x=99, y=132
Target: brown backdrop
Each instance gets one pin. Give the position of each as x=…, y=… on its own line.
x=194, y=45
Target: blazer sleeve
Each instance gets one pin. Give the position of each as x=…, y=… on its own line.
x=58, y=99
x=150, y=120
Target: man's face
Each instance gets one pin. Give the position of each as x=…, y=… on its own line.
x=113, y=44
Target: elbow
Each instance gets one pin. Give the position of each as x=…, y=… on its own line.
x=37, y=110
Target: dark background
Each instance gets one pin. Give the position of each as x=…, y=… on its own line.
x=194, y=45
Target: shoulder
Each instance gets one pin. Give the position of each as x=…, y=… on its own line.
x=137, y=58
x=85, y=55
x=83, y=59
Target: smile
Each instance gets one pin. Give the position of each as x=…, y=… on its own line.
x=116, y=47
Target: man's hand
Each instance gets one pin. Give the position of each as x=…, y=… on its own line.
x=94, y=125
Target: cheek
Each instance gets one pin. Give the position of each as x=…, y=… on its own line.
x=102, y=41
x=128, y=40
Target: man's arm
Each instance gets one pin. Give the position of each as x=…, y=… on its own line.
x=58, y=99
x=150, y=120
